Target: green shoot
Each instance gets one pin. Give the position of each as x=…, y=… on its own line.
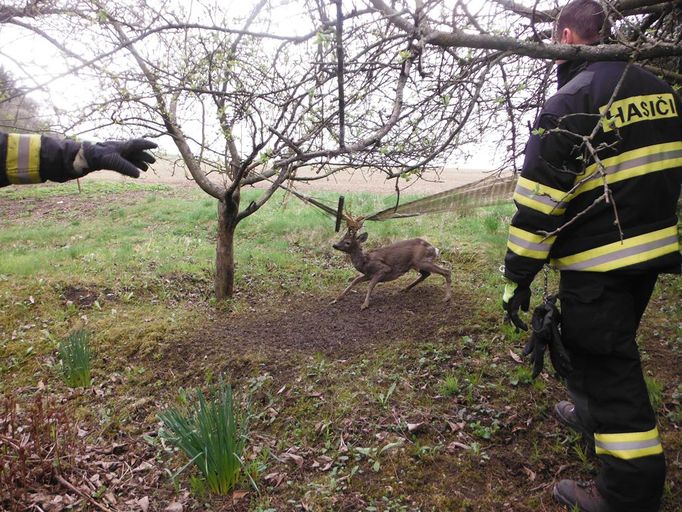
x=74, y=359
x=211, y=434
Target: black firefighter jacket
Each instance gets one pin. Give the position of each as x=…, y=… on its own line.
x=32, y=158
x=638, y=146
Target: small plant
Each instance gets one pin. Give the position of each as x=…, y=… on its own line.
x=449, y=386
x=211, y=434
x=383, y=398
x=484, y=431
x=583, y=456
x=655, y=390
x=522, y=375
x=74, y=359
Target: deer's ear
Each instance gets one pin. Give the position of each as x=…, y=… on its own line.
x=363, y=237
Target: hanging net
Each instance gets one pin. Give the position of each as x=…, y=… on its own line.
x=485, y=192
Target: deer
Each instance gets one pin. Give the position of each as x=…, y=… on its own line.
x=389, y=262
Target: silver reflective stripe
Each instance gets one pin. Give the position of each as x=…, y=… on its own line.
x=617, y=255
x=637, y=162
x=23, y=160
x=530, y=245
x=627, y=445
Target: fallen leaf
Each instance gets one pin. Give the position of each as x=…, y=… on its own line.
x=274, y=479
x=174, y=507
x=515, y=356
x=343, y=448
x=109, y=496
x=238, y=496
x=145, y=466
x=456, y=426
x=455, y=444
x=292, y=457
x=531, y=474
x=143, y=503
x=415, y=427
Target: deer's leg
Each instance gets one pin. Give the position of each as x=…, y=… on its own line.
x=361, y=278
x=428, y=266
x=423, y=275
x=370, y=287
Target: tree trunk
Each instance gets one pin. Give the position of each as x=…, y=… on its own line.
x=228, y=208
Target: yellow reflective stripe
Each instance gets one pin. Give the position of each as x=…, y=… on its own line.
x=629, y=445
x=540, y=197
x=619, y=254
x=530, y=245
x=22, y=163
x=658, y=157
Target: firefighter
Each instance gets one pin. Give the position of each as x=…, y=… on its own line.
x=609, y=251
x=33, y=158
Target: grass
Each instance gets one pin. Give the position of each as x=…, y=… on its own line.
x=145, y=256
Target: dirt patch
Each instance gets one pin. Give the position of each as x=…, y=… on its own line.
x=303, y=325
x=80, y=297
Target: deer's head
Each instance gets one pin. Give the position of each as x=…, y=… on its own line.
x=351, y=238
x=349, y=241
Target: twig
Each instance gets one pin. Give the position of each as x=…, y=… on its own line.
x=574, y=219
x=75, y=489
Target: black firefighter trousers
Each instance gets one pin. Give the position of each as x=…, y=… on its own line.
x=600, y=316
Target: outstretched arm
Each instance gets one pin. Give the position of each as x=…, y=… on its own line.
x=33, y=158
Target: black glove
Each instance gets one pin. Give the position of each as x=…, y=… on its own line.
x=516, y=297
x=127, y=157
x=545, y=324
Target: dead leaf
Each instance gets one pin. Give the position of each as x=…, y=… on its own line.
x=455, y=444
x=456, y=426
x=238, y=496
x=109, y=497
x=515, y=356
x=175, y=506
x=274, y=479
x=292, y=457
x=143, y=503
x=416, y=427
x=343, y=448
x=531, y=474
x=145, y=466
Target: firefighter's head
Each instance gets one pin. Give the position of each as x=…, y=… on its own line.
x=581, y=22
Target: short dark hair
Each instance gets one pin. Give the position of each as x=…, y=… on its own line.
x=586, y=18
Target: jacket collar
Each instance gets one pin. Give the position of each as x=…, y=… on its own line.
x=567, y=70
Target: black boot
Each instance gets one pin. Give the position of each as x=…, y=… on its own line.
x=583, y=495
x=565, y=412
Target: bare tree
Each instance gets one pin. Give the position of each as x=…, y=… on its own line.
x=17, y=111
